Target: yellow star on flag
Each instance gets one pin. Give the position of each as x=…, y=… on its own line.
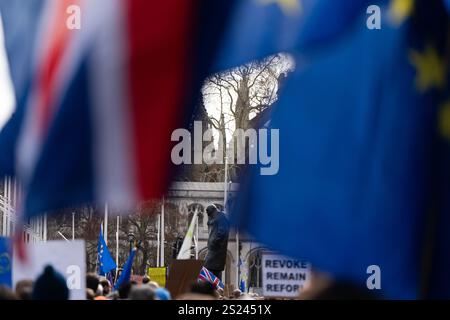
x=430, y=67
x=400, y=10
x=289, y=7
x=444, y=120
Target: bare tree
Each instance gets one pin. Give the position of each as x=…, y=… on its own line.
x=240, y=94
x=144, y=226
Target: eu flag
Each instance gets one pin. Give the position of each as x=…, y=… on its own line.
x=104, y=256
x=125, y=276
x=258, y=28
x=357, y=126
x=5, y=262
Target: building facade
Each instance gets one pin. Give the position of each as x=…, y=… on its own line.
x=34, y=230
x=244, y=255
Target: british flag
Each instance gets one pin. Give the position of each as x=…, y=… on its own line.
x=98, y=104
x=207, y=276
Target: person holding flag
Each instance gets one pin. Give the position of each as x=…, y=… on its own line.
x=207, y=276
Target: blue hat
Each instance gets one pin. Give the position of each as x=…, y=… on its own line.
x=162, y=294
x=50, y=285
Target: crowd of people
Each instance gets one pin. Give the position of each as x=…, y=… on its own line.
x=51, y=285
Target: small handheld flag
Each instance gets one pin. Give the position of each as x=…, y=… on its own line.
x=207, y=276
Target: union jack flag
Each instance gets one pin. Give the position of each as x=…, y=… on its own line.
x=207, y=276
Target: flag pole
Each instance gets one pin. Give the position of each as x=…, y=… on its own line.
x=196, y=237
x=8, y=207
x=162, y=233
x=5, y=199
x=117, y=245
x=105, y=222
x=73, y=226
x=158, y=244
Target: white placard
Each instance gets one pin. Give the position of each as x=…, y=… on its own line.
x=68, y=258
x=284, y=277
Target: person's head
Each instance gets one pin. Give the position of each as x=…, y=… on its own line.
x=142, y=292
x=24, y=289
x=50, y=285
x=203, y=287
x=124, y=290
x=236, y=293
x=92, y=281
x=211, y=210
x=114, y=295
x=145, y=280
x=90, y=294
x=154, y=285
x=99, y=291
x=6, y=293
x=106, y=286
x=162, y=294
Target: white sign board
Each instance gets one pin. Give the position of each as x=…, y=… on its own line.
x=68, y=258
x=284, y=277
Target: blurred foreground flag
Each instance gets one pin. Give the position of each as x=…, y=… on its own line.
x=357, y=126
x=20, y=22
x=109, y=82
x=5, y=262
x=259, y=28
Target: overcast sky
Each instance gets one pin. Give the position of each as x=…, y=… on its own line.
x=6, y=93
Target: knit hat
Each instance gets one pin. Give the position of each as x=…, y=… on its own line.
x=50, y=285
x=162, y=294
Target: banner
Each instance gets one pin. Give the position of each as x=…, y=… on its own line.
x=158, y=275
x=68, y=258
x=284, y=277
x=185, y=251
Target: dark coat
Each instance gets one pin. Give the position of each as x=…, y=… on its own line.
x=219, y=228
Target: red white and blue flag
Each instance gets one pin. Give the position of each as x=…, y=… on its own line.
x=207, y=276
x=94, y=122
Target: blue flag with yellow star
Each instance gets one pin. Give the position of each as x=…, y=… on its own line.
x=356, y=124
x=259, y=28
x=106, y=262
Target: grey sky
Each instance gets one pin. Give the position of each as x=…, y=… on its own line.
x=6, y=91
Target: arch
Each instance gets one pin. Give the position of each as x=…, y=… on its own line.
x=191, y=210
x=254, y=265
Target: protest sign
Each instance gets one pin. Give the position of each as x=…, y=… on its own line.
x=68, y=258
x=158, y=275
x=284, y=277
x=182, y=273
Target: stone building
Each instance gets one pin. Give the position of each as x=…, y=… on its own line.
x=34, y=230
x=243, y=259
